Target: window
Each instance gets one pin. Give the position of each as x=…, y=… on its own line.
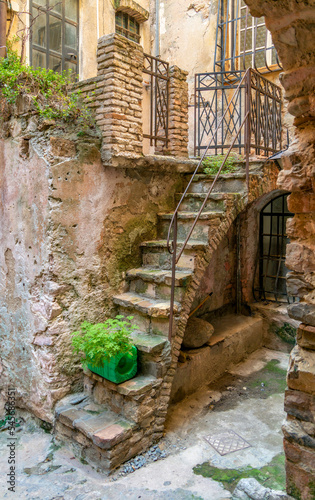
x=54, y=40
x=243, y=41
x=127, y=26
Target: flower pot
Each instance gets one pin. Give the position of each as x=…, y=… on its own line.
x=118, y=368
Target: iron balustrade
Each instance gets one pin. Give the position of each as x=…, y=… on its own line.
x=259, y=95
x=242, y=133
x=158, y=85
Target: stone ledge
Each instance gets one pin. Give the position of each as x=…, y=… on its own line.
x=153, y=162
x=133, y=387
x=133, y=9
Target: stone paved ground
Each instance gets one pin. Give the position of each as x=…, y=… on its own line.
x=47, y=472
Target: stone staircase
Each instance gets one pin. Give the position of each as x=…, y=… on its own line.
x=110, y=423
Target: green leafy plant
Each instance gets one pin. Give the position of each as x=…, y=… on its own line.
x=212, y=164
x=102, y=341
x=49, y=91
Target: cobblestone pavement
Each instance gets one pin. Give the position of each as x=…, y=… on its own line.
x=49, y=471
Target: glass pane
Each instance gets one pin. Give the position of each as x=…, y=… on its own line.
x=54, y=34
x=119, y=19
x=56, y=6
x=260, y=59
x=243, y=19
x=274, y=57
x=39, y=31
x=71, y=9
x=55, y=64
x=261, y=36
x=277, y=205
x=40, y=2
x=249, y=41
x=39, y=59
x=71, y=36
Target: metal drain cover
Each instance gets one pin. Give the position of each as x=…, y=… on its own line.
x=227, y=442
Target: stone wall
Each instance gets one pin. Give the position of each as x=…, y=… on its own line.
x=292, y=24
x=69, y=229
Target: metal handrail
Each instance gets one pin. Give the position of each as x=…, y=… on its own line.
x=172, y=246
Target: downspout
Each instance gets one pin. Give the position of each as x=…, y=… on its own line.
x=157, y=28
x=3, y=27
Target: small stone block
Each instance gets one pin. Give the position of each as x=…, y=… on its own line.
x=67, y=417
x=89, y=425
x=306, y=336
x=106, y=438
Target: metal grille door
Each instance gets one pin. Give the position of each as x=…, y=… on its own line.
x=272, y=250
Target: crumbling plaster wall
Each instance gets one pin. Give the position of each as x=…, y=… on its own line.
x=292, y=24
x=69, y=229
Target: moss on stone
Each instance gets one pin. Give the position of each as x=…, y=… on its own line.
x=287, y=333
x=271, y=475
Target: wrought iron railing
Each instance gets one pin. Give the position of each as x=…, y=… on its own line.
x=257, y=94
x=245, y=122
x=158, y=86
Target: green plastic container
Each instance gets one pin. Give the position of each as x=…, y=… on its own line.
x=119, y=368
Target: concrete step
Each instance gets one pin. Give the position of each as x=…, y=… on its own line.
x=185, y=221
x=156, y=283
x=226, y=183
x=97, y=434
x=155, y=254
x=217, y=202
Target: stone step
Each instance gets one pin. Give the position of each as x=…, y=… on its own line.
x=97, y=434
x=226, y=183
x=153, y=353
x=185, y=221
x=217, y=202
x=150, y=307
x=156, y=255
x=156, y=283
x=149, y=315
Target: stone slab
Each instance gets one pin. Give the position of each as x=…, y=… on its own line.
x=306, y=336
x=301, y=372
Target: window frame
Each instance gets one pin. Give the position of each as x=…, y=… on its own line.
x=66, y=54
x=130, y=35
x=229, y=55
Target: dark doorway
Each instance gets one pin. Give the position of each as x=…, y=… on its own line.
x=272, y=250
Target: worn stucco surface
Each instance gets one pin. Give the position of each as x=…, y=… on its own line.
x=69, y=230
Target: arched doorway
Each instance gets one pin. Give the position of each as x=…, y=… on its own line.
x=270, y=264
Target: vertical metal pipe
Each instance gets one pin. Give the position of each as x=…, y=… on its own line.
x=247, y=125
x=170, y=331
x=238, y=267
x=3, y=28
x=157, y=28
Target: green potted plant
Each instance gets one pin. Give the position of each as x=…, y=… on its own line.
x=107, y=348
